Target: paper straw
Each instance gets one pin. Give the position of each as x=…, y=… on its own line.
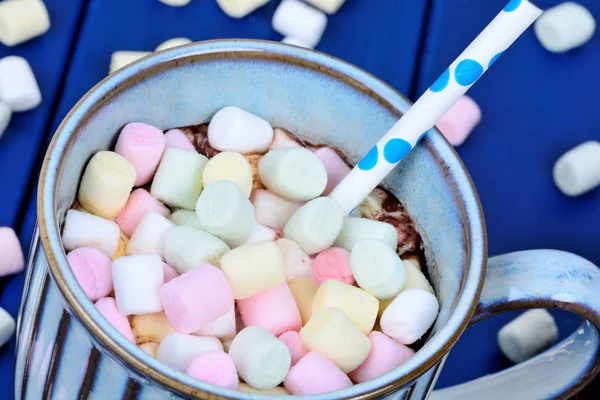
x=512, y=21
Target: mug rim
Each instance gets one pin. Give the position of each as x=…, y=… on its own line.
x=475, y=241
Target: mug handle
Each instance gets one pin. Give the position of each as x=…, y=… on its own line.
x=539, y=279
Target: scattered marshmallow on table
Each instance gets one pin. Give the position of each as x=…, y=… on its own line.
x=93, y=270
x=458, y=122
x=178, y=179
x=261, y=233
x=19, y=89
x=143, y=146
x=377, y=268
x=230, y=166
x=298, y=264
x=151, y=327
x=414, y=278
x=356, y=229
x=578, y=170
x=122, y=58
x=12, y=260
x=139, y=203
x=332, y=333
x=328, y=6
x=276, y=391
x=5, y=115
x=315, y=374
x=294, y=173
x=21, y=20
x=296, y=42
x=240, y=8
x=149, y=348
x=296, y=18
x=261, y=359
x=186, y=248
x=283, y=138
x=333, y=263
x=177, y=139
x=186, y=217
x=169, y=44
x=107, y=306
x=149, y=236
x=137, y=282
x=273, y=210
x=7, y=327
x=215, y=367
x=336, y=167
x=527, y=335
x=178, y=350
x=565, y=27
x=315, y=225
x=86, y=230
x=410, y=315
x=293, y=341
x=223, y=327
x=233, y=129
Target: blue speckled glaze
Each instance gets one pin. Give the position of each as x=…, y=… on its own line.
x=67, y=349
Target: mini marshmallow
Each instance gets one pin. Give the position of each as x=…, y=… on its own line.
x=139, y=203
x=273, y=309
x=458, y=122
x=106, y=184
x=377, y=268
x=186, y=217
x=86, y=230
x=169, y=272
x=578, y=170
x=385, y=355
x=296, y=18
x=273, y=210
x=333, y=263
x=196, y=298
x=414, y=278
x=328, y=6
x=225, y=212
x=19, y=89
x=122, y=247
x=331, y=333
x=7, y=327
x=565, y=27
x=233, y=129
x=186, y=248
x=356, y=229
x=253, y=268
x=276, y=391
x=336, y=167
x=410, y=315
x=315, y=225
x=360, y=306
x=261, y=360
x=122, y=58
x=137, y=281
x=295, y=42
x=527, y=335
x=107, y=306
x=177, y=139
x=230, y=166
x=5, y=115
x=177, y=350
x=315, y=374
x=149, y=236
x=298, y=264
x=21, y=20
x=223, y=327
x=178, y=180
x=151, y=327
x=261, y=233
x=253, y=161
x=143, y=146
x=149, y=348
x=12, y=260
x=294, y=344
x=93, y=271
x=175, y=3
x=294, y=173
x=304, y=290
x=215, y=367
x=175, y=42
x=240, y=8
x=283, y=138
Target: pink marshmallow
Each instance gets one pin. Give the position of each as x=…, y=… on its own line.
x=142, y=145
x=93, y=270
x=107, y=306
x=385, y=355
x=315, y=374
x=336, y=167
x=293, y=342
x=176, y=138
x=274, y=309
x=273, y=210
x=333, y=263
x=214, y=367
x=196, y=298
x=139, y=203
x=459, y=120
x=12, y=260
x=169, y=272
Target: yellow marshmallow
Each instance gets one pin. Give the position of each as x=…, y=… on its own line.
x=331, y=333
x=123, y=242
x=106, y=184
x=151, y=327
x=360, y=306
x=150, y=348
x=229, y=166
x=414, y=278
x=303, y=290
x=276, y=391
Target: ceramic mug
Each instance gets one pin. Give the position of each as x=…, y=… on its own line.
x=66, y=350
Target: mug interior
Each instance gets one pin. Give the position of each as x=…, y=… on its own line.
x=313, y=95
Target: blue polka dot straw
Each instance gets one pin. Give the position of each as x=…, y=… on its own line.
x=454, y=82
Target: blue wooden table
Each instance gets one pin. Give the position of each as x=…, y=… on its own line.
x=535, y=107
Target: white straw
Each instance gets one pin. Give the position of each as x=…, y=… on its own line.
x=512, y=21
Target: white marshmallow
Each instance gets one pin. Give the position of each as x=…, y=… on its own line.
x=178, y=350
x=260, y=233
x=356, y=229
x=283, y=138
x=409, y=315
x=230, y=166
x=187, y=248
x=120, y=59
x=86, y=230
x=137, y=281
x=316, y=225
x=18, y=88
x=240, y=8
x=527, y=335
x=223, y=327
x=377, y=268
x=298, y=264
x=414, y=278
x=149, y=236
x=169, y=44
x=178, y=179
x=225, y=211
x=21, y=20
x=7, y=327
x=273, y=210
x=578, y=170
x=328, y=6
x=564, y=27
x=5, y=114
x=294, y=173
x=233, y=129
x=261, y=359
x=296, y=42
x=296, y=18
x=186, y=217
